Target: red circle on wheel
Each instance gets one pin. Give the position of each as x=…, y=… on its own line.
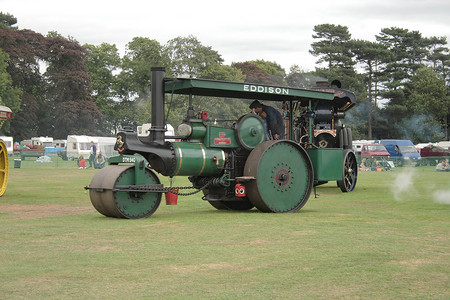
x=279, y=174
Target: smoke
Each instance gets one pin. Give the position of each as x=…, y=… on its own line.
x=403, y=185
x=303, y=80
x=421, y=128
x=357, y=117
x=442, y=196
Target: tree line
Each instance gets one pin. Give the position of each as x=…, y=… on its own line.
x=56, y=87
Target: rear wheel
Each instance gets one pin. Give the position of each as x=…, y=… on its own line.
x=349, y=172
x=283, y=176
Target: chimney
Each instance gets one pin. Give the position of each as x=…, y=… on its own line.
x=157, y=130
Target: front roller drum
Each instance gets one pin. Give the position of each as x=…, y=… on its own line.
x=106, y=197
x=283, y=176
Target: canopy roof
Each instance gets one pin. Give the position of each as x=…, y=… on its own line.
x=214, y=88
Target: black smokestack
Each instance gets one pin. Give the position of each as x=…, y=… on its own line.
x=157, y=130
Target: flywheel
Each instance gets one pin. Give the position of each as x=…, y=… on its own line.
x=250, y=131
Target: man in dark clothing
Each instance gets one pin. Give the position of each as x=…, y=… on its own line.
x=92, y=155
x=275, y=122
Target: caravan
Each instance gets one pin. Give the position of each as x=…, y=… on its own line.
x=8, y=140
x=106, y=145
x=59, y=143
x=80, y=145
x=41, y=142
x=144, y=130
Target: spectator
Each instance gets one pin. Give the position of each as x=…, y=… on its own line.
x=93, y=154
x=99, y=161
x=362, y=166
x=81, y=163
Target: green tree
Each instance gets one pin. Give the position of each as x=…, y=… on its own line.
x=409, y=52
x=141, y=55
x=332, y=46
x=274, y=70
x=133, y=83
x=102, y=63
x=9, y=96
x=298, y=78
x=439, y=57
x=7, y=21
x=222, y=72
x=188, y=57
x=427, y=95
x=370, y=55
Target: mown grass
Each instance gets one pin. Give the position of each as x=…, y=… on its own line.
x=371, y=243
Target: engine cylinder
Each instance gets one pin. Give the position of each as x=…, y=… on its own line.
x=198, y=131
x=195, y=159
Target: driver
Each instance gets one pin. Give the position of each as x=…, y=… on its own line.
x=275, y=122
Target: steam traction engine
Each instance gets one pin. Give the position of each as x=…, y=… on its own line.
x=236, y=168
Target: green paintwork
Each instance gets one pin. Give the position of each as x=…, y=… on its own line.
x=226, y=89
x=283, y=176
x=198, y=130
x=139, y=162
x=220, y=137
x=195, y=159
x=282, y=157
x=327, y=163
x=251, y=131
x=136, y=205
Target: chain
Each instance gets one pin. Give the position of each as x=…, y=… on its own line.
x=153, y=188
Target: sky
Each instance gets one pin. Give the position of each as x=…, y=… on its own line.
x=279, y=31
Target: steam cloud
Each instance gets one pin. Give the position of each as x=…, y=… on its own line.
x=442, y=196
x=403, y=186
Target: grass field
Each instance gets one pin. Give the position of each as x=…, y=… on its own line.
x=389, y=239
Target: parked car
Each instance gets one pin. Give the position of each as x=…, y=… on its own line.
x=401, y=151
x=376, y=155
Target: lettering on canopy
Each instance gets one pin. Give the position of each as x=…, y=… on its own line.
x=266, y=89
